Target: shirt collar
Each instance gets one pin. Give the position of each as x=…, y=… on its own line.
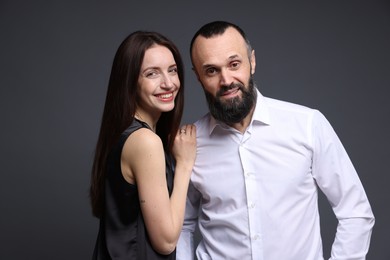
x=261, y=114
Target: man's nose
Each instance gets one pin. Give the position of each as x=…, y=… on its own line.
x=226, y=77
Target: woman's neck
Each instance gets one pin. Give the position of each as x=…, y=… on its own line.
x=148, y=119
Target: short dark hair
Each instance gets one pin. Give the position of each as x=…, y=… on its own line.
x=218, y=28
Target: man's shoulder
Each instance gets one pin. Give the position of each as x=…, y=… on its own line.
x=287, y=106
x=286, y=111
x=203, y=122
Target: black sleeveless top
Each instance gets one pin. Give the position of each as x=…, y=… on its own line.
x=122, y=232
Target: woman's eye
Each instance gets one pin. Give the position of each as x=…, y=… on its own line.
x=150, y=74
x=173, y=70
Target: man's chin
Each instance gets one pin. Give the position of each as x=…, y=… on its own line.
x=228, y=100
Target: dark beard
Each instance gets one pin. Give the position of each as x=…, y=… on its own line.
x=235, y=109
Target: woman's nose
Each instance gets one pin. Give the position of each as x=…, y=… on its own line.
x=167, y=82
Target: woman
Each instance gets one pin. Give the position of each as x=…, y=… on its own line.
x=136, y=194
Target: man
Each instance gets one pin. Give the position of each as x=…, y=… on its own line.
x=259, y=167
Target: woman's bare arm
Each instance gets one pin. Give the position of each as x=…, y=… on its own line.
x=143, y=163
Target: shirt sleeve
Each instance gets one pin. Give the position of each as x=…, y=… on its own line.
x=337, y=178
x=185, y=249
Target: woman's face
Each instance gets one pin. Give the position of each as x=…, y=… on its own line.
x=158, y=82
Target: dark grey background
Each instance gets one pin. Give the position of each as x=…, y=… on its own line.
x=55, y=60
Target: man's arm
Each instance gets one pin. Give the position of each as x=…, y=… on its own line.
x=339, y=181
x=185, y=246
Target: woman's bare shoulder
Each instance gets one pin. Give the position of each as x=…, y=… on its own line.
x=142, y=142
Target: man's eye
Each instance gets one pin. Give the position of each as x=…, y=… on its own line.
x=211, y=71
x=235, y=64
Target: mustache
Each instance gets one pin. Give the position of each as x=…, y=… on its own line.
x=235, y=109
x=223, y=89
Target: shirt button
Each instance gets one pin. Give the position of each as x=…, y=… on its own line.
x=255, y=237
x=252, y=205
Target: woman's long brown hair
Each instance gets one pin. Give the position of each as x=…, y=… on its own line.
x=120, y=106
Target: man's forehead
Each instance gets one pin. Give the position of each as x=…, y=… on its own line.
x=226, y=46
x=230, y=33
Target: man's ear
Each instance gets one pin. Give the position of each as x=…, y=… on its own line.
x=196, y=73
x=253, y=62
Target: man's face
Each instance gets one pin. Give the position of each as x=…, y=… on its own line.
x=224, y=69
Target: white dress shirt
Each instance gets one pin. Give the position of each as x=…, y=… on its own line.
x=255, y=195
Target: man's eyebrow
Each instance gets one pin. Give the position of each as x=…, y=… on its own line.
x=206, y=66
x=235, y=56
x=232, y=57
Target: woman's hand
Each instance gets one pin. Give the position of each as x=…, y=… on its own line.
x=184, y=147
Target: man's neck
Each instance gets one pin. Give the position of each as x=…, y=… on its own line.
x=244, y=123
